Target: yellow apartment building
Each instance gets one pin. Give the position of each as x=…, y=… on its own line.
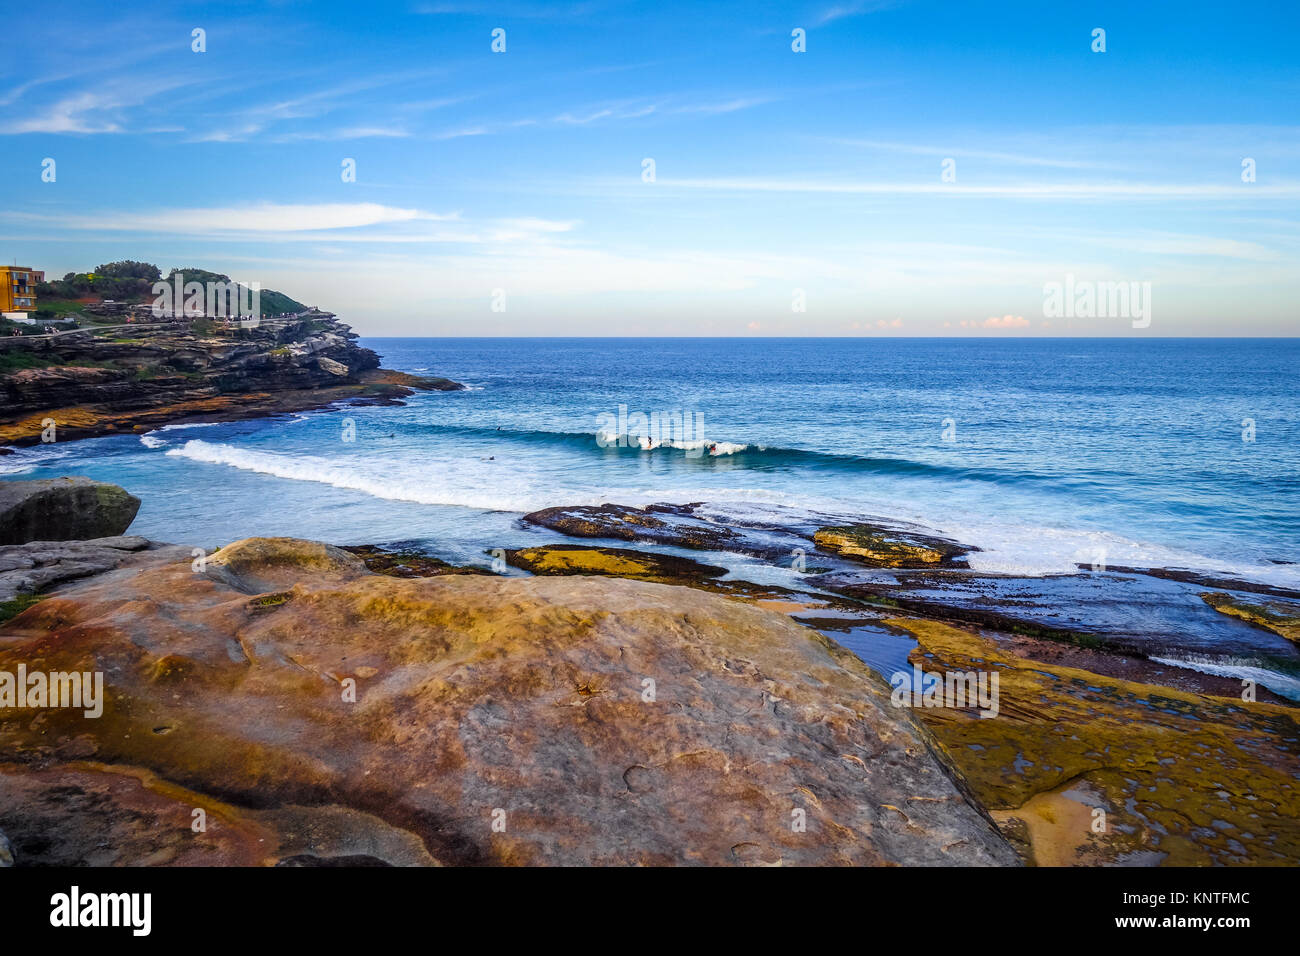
x=18, y=288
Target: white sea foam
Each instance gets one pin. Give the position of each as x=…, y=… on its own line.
x=460, y=482
x=180, y=425
x=607, y=438
x=24, y=460
x=1009, y=546
x=149, y=440
x=1282, y=684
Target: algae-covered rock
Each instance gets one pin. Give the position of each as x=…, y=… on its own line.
x=407, y=563
x=63, y=509
x=1280, y=617
x=1081, y=768
x=613, y=562
x=884, y=548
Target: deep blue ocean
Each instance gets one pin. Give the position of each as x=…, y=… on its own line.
x=1045, y=453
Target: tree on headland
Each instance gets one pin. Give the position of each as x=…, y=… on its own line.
x=127, y=281
x=131, y=281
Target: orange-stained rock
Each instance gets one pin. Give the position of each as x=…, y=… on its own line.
x=490, y=719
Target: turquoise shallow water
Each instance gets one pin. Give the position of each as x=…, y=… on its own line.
x=1044, y=453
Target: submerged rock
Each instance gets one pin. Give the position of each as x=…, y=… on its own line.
x=560, y=720
x=658, y=523
x=1280, y=617
x=63, y=509
x=407, y=564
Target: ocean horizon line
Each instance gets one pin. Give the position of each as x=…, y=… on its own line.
x=841, y=338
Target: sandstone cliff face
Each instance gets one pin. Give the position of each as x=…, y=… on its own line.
x=313, y=710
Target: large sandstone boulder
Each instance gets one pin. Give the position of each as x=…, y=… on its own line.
x=348, y=716
x=63, y=509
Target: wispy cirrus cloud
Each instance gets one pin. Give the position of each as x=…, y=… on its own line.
x=857, y=8
x=1016, y=190
x=264, y=217
x=1023, y=159
x=98, y=110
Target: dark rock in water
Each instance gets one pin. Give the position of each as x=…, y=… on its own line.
x=686, y=526
x=882, y=547
x=1207, y=580
x=630, y=524
x=63, y=509
x=1276, y=616
x=613, y=562
x=6, y=851
x=1137, y=614
x=675, y=525
x=426, y=383
x=407, y=564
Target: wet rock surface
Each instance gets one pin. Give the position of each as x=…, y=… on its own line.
x=406, y=563
x=1125, y=613
x=658, y=524
x=1280, y=617
x=596, y=721
x=885, y=548
x=569, y=559
x=1080, y=768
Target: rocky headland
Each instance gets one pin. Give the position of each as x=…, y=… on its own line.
x=111, y=379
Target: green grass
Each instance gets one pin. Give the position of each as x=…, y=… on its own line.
x=17, y=604
x=15, y=360
x=48, y=308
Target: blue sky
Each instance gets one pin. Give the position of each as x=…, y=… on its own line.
x=775, y=171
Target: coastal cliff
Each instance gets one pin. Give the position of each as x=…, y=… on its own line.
x=121, y=377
